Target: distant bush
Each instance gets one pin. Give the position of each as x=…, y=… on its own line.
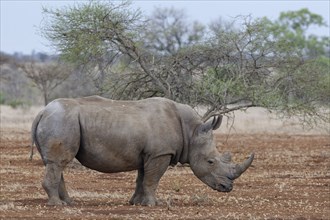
x=13, y=102
x=16, y=103
x=2, y=98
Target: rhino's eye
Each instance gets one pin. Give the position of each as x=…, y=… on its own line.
x=210, y=161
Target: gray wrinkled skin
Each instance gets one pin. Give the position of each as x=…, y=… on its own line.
x=115, y=136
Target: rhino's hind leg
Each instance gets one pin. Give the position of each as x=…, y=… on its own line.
x=57, y=158
x=64, y=196
x=51, y=184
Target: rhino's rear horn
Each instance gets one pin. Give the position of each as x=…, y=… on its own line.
x=226, y=157
x=240, y=168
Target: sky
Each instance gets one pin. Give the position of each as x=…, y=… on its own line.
x=21, y=19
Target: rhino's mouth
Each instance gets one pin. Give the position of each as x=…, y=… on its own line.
x=220, y=186
x=225, y=188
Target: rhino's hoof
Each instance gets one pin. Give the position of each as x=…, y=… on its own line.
x=69, y=201
x=144, y=201
x=135, y=200
x=149, y=202
x=159, y=203
x=56, y=202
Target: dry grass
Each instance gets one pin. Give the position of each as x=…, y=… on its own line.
x=19, y=118
x=260, y=121
x=251, y=121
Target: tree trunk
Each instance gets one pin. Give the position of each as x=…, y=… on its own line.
x=45, y=97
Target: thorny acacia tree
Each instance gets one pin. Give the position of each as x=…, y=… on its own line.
x=248, y=65
x=99, y=34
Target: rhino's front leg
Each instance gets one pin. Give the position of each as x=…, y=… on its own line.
x=138, y=194
x=154, y=168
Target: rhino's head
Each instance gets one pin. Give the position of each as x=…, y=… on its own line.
x=214, y=169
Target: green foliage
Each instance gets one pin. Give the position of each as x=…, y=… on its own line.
x=16, y=103
x=94, y=35
x=221, y=85
x=2, y=98
x=300, y=20
x=268, y=70
x=314, y=78
x=86, y=32
x=303, y=84
x=291, y=29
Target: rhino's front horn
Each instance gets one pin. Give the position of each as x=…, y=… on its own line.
x=240, y=168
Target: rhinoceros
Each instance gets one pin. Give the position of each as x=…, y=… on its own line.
x=116, y=136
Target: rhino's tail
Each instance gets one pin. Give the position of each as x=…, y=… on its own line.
x=33, y=133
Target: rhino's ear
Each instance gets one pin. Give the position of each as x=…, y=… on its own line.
x=214, y=124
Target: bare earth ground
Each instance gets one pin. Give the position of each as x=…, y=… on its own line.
x=290, y=179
